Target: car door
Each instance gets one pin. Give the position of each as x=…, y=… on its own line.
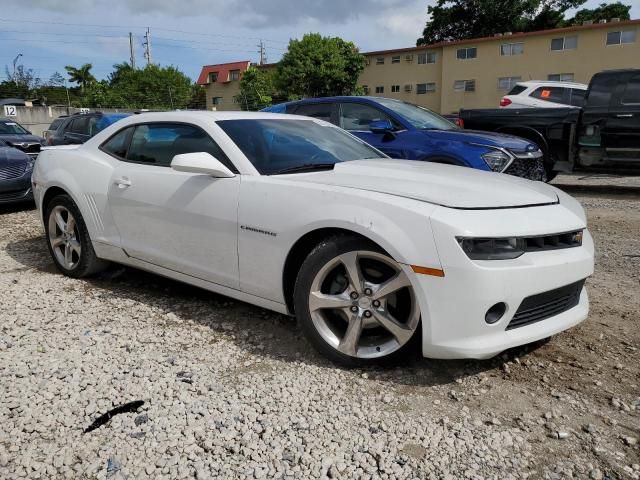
x=77, y=131
x=356, y=118
x=621, y=133
x=181, y=221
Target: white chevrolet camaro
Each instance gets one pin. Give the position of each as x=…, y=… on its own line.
x=293, y=214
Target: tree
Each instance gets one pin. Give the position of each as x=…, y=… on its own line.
x=56, y=80
x=256, y=89
x=82, y=76
x=606, y=11
x=317, y=66
x=119, y=71
x=461, y=19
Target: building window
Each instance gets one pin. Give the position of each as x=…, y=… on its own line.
x=422, y=88
x=234, y=75
x=428, y=57
x=379, y=89
x=467, y=53
x=365, y=89
x=618, y=38
x=213, y=77
x=464, y=85
x=380, y=61
x=216, y=100
x=564, y=43
x=510, y=49
x=560, y=77
x=507, y=83
x=395, y=59
x=395, y=88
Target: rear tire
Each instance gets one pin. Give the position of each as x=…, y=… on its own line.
x=68, y=239
x=347, y=307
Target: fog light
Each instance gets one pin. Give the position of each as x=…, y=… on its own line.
x=495, y=313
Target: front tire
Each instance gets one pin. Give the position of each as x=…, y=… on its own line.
x=355, y=304
x=68, y=239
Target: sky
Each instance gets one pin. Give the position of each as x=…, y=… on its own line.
x=191, y=33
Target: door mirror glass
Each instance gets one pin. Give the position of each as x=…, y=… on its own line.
x=381, y=126
x=200, y=162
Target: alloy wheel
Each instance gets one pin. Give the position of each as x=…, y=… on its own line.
x=64, y=238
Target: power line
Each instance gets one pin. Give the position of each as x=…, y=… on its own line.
x=139, y=26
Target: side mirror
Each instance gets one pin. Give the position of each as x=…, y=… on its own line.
x=201, y=162
x=381, y=126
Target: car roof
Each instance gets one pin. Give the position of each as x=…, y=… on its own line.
x=554, y=83
x=202, y=115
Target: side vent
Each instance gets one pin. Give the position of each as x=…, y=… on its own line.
x=94, y=213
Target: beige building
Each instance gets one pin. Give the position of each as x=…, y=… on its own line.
x=476, y=73
x=473, y=73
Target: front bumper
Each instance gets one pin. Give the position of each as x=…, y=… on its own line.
x=16, y=189
x=453, y=308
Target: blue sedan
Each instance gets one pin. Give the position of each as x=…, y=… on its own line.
x=404, y=130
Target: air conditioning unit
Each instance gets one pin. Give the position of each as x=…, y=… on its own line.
x=408, y=87
x=408, y=58
x=604, y=20
x=617, y=19
x=587, y=22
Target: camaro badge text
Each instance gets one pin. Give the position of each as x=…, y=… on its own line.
x=257, y=230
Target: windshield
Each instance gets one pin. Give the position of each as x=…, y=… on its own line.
x=273, y=145
x=11, y=128
x=419, y=117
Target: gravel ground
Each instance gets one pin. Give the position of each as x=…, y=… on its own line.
x=234, y=391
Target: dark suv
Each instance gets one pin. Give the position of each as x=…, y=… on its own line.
x=79, y=128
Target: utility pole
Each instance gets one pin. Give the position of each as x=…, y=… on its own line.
x=132, y=53
x=147, y=46
x=262, y=52
x=15, y=60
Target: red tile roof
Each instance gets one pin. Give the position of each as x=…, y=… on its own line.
x=222, y=69
x=512, y=36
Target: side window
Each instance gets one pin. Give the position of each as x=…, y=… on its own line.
x=549, y=94
x=577, y=97
x=354, y=116
x=321, y=111
x=632, y=91
x=157, y=144
x=80, y=126
x=117, y=145
x=600, y=91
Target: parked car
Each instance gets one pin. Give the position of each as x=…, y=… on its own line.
x=15, y=135
x=77, y=129
x=404, y=130
x=15, y=174
x=54, y=126
x=298, y=216
x=605, y=132
x=547, y=94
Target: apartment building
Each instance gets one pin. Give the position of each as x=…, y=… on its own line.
x=476, y=73
x=472, y=73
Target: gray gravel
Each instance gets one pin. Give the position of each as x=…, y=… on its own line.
x=233, y=391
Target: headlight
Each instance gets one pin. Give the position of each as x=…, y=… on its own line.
x=30, y=164
x=493, y=248
x=497, y=160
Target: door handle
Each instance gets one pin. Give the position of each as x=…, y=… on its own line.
x=122, y=182
x=625, y=115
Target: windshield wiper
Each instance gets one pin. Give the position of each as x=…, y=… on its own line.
x=307, y=167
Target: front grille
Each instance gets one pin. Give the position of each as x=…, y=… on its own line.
x=529, y=168
x=12, y=171
x=9, y=196
x=547, y=304
x=553, y=242
x=28, y=147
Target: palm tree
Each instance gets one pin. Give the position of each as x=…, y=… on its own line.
x=82, y=76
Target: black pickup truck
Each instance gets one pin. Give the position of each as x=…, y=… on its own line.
x=603, y=133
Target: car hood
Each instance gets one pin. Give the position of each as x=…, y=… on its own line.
x=446, y=185
x=11, y=156
x=485, y=138
x=20, y=138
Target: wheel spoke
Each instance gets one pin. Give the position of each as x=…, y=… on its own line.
x=71, y=224
x=68, y=260
x=401, y=333
x=349, y=343
x=62, y=225
x=56, y=242
x=350, y=262
x=392, y=285
x=318, y=300
x=75, y=246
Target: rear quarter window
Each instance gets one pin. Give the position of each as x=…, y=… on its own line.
x=517, y=90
